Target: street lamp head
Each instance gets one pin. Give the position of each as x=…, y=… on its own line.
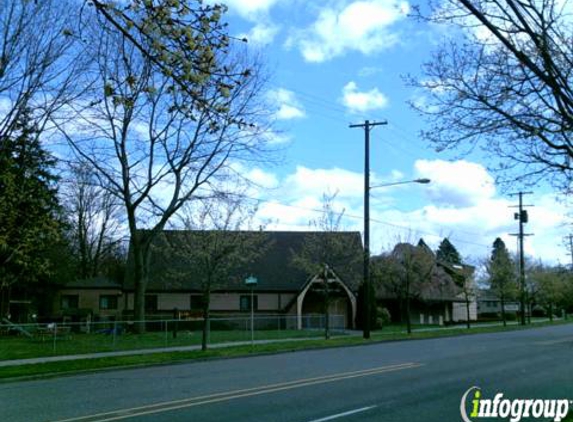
x=404, y=182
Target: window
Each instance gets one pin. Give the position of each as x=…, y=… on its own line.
x=108, y=302
x=196, y=302
x=150, y=303
x=70, y=301
x=245, y=303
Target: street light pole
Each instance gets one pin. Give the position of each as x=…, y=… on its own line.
x=252, y=316
x=252, y=282
x=367, y=125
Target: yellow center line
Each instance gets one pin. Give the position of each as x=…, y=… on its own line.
x=235, y=394
x=552, y=342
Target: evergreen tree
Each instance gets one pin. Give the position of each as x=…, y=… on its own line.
x=29, y=211
x=448, y=253
x=423, y=245
x=462, y=275
x=501, y=270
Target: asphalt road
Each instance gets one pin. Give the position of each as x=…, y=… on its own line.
x=402, y=381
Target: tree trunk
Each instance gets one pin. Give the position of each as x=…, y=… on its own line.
x=206, y=329
x=551, y=312
x=140, y=266
x=206, y=321
x=468, y=311
x=4, y=301
x=502, y=300
x=326, y=306
x=408, y=322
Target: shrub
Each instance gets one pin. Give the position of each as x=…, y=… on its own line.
x=383, y=317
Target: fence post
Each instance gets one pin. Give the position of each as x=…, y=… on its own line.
x=114, y=332
x=165, y=332
x=55, y=335
x=175, y=322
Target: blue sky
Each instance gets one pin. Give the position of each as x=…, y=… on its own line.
x=338, y=62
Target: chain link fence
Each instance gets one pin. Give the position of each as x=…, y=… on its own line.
x=113, y=335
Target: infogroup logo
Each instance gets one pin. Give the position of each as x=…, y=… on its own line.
x=514, y=409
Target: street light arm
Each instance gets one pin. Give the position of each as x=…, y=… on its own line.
x=423, y=181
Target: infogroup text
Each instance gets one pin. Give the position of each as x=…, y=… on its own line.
x=514, y=409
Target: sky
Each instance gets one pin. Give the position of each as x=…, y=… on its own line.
x=333, y=63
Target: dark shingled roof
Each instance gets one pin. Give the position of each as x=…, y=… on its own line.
x=442, y=283
x=274, y=268
x=487, y=294
x=98, y=282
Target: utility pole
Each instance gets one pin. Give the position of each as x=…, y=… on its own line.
x=570, y=239
x=367, y=125
x=523, y=218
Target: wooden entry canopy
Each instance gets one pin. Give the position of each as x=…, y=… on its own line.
x=317, y=279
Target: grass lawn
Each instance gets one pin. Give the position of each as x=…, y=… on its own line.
x=388, y=334
x=17, y=347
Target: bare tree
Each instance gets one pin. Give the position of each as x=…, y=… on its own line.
x=155, y=147
x=503, y=83
x=95, y=218
x=40, y=63
x=324, y=253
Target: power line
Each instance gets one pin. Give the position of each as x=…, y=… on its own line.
x=359, y=217
x=570, y=246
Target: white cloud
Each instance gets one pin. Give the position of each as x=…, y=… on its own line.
x=248, y=9
x=464, y=206
x=264, y=30
x=363, y=26
x=276, y=138
x=287, y=112
x=458, y=184
x=303, y=191
x=287, y=104
x=315, y=182
x=261, y=34
x=357, y=102
x=262, y=178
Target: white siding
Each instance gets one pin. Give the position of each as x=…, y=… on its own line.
x=460, y=313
